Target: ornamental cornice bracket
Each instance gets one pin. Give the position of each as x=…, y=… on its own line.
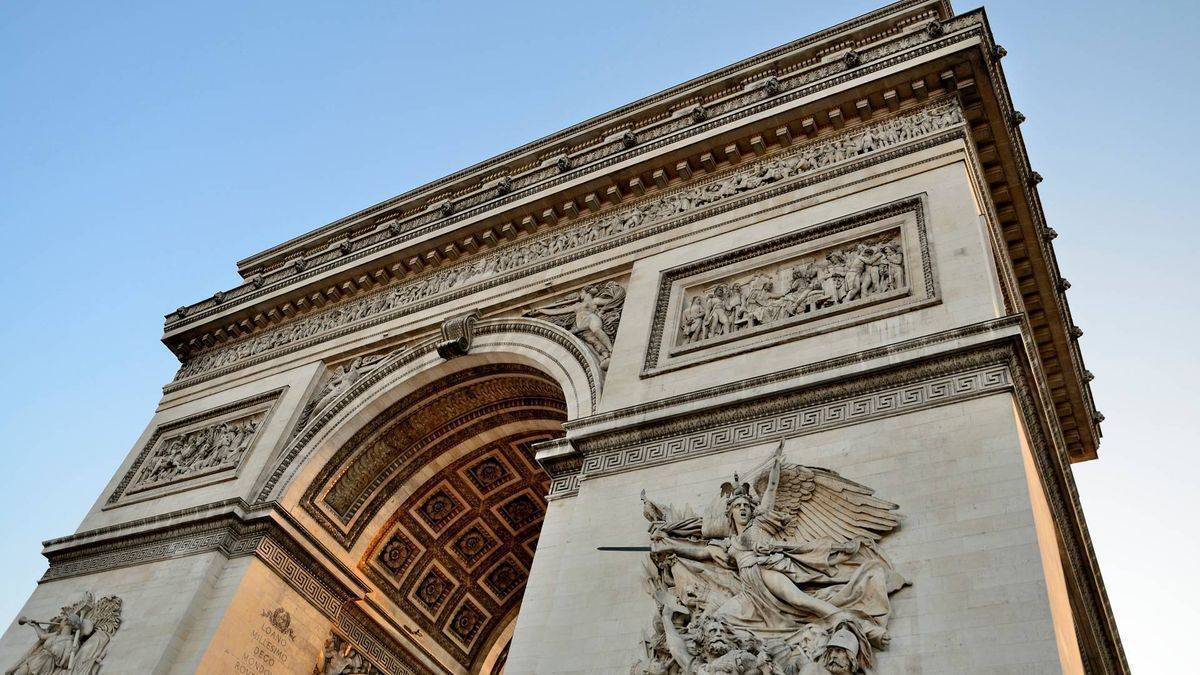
x=458, y=332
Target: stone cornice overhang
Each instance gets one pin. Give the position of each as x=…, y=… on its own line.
x=1016, y=207
x=850, y=82
x=437, y=210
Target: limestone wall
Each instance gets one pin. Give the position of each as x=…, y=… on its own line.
x=978, y=601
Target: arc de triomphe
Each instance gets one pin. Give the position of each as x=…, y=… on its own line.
x=770, y=372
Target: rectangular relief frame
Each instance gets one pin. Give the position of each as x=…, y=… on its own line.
x=196, y=450
x=824, y=277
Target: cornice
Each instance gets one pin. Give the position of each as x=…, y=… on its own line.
x=1016, y=207
x=600, y=129
x=766, y=81
x=589, y=235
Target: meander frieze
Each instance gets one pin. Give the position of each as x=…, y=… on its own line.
x=952, y=378
x=555, y=247
x=790, y=83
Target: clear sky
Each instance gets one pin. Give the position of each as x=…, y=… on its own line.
x=145, y=147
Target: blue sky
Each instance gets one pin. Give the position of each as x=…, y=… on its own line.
x=144, y=148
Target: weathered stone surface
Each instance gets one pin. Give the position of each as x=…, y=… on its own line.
x=459, y=432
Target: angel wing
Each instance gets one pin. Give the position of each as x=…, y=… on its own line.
x=822, y=504
x=610, y=296
x=107, y=614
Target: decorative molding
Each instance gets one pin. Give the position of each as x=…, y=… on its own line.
x=956, y=377
x=697, y=399
x=796, y=308
x=196, y=450
x=457, y=334
x=806, y=420
x=755, y=91
x=398, y=362
x=736, y=187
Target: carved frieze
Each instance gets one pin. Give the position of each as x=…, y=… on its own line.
x=832, y=279
x=738, y=99
x=195, y=450
x=813, y=280
x=210, y=449
x=783, y=573
x=584, y=238
x=75, y=641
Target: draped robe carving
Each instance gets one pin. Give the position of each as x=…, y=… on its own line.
x=783, y=574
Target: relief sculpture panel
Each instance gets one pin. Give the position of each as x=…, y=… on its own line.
x=75, y=641
x=818, y=283
x=195, y=451
x=813, y=280
x=783, y=573
x=206, y=450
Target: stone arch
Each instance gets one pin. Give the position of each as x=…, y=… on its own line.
x=531, y=342
x=423, y=472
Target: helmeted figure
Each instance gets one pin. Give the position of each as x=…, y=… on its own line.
x=784, y=562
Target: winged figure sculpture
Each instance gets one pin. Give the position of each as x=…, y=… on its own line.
x=74, y=642
x=782, y=574
x=593, y=314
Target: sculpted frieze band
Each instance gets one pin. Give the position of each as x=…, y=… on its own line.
x=783, y=573
x=521, y=257
x=748, y=100
x=834, y=278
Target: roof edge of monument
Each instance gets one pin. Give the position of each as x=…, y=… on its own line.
x=429, y=201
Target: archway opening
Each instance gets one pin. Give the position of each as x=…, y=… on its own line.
x=444, y=486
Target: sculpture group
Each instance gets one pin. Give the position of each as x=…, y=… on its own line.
x=782, y=575
x=218, y=446
x=74, y=642
x=838, y=277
